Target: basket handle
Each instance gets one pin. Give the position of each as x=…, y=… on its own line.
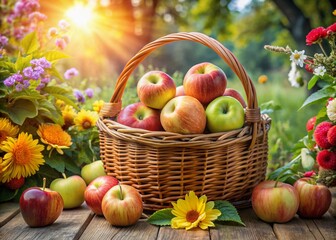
x=252, y=111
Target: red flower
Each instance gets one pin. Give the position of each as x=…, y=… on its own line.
x=309, y=174
x=331, y=28
x=308, y=66
x=315, y=35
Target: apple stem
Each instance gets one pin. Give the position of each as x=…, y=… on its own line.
x=44, y=183
x=63, y=174
x=121, y=193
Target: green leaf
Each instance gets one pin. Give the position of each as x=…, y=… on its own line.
x=30, y=43
x=48, y=110
x=320, y=95
x=229, y=212
x=161, y=217
x=313, y=81
x=54, y=55
x=269, y=107
x=56, y=161
x=62, y=94
x=71, y=166
x=20, y=110
x=22, y=62
x=7, y=194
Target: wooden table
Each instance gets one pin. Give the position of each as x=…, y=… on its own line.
x=81, y=223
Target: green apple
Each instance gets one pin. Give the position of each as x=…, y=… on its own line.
x=71, y=189
x=92, y=170
x=224, y=113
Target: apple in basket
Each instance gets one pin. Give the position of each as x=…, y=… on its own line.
x=234, y=93
x=315, y=199
x=204, y=81
x=122, y=205
x=224, y=113
x=183, y=114
x=96, y=190
x=275, y=201
x=138, y=115
x=155, y=89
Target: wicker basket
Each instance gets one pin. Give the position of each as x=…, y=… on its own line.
x=164, y=166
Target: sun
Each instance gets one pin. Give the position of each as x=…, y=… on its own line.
x=81, y=15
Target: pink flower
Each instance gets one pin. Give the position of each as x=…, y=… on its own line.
x=316, y=35
x=60, y=43
x=70, y=73
x=64, y=25
x=331, y=29
x=52, y=32
x=309, y=174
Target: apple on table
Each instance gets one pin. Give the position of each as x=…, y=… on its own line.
x=138, y=115
x=40, y=206
x=93, y=170
x=96, y=190
x=224, y=113
x=122, y=205
x=183, y=114
x=205, y=82
x=71, y=189
x=155, y=89
x=275, y=201
x=315, y=199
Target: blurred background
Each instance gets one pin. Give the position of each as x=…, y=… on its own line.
x=105, y=34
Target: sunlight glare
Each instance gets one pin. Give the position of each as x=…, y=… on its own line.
x=80, y=15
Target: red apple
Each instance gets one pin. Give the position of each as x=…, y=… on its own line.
x=234, y=93
x=180, y=91
x=155, y=89
x=138, y=115
x=315, y=199
x=40, y=206
x=122, y=205
x=204, y=81
x=273, y=202
x=183, y=114
x=95, y=192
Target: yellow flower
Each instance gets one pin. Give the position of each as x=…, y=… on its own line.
x=86, y=119
x=97, y=105
x=334, y=12
x=54, y=136
x=61, y=104
x=23, y=157
x=7, y=129
x=194, y=212
x=262, y=79
x=69, y=114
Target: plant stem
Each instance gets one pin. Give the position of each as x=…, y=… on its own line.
x=120, y=193
x=63, y=174
x=44, y=183
x=319, y=43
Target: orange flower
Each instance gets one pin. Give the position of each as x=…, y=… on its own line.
x=54, y=136
x=262, y=79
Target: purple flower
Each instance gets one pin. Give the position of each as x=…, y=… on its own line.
x=26, y=83
x=39, y=70
x=28, y=72
x=40, y=86
x=10, y=81
x=41, y=62
x=89, y=92
x=38, y=16
x=45, y=80
x=19, y=87
x=3, y=41
x=17, y=77
x=70, y=73
x=79, y=95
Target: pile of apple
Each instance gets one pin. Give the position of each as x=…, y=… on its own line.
x=202, y=104
x=279, y=202
x=120, y=204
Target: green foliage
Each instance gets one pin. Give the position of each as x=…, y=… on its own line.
x=228, y=212
x=161, y=217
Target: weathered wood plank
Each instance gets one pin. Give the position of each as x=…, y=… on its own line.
x=69, y=225
x=8, y=210
x=332, y=208
x=297, y=228
x=99, y=228
x=168, y=233
x=326, y=226
x=254, y=229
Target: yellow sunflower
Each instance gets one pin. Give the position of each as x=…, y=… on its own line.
x=97, y=105
x=69, y=114
x=194, y=212
x=54, y=136
x=7, y=129
x=23, y=157
x=86, y=119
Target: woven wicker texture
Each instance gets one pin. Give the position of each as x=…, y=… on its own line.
x=164, y=166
